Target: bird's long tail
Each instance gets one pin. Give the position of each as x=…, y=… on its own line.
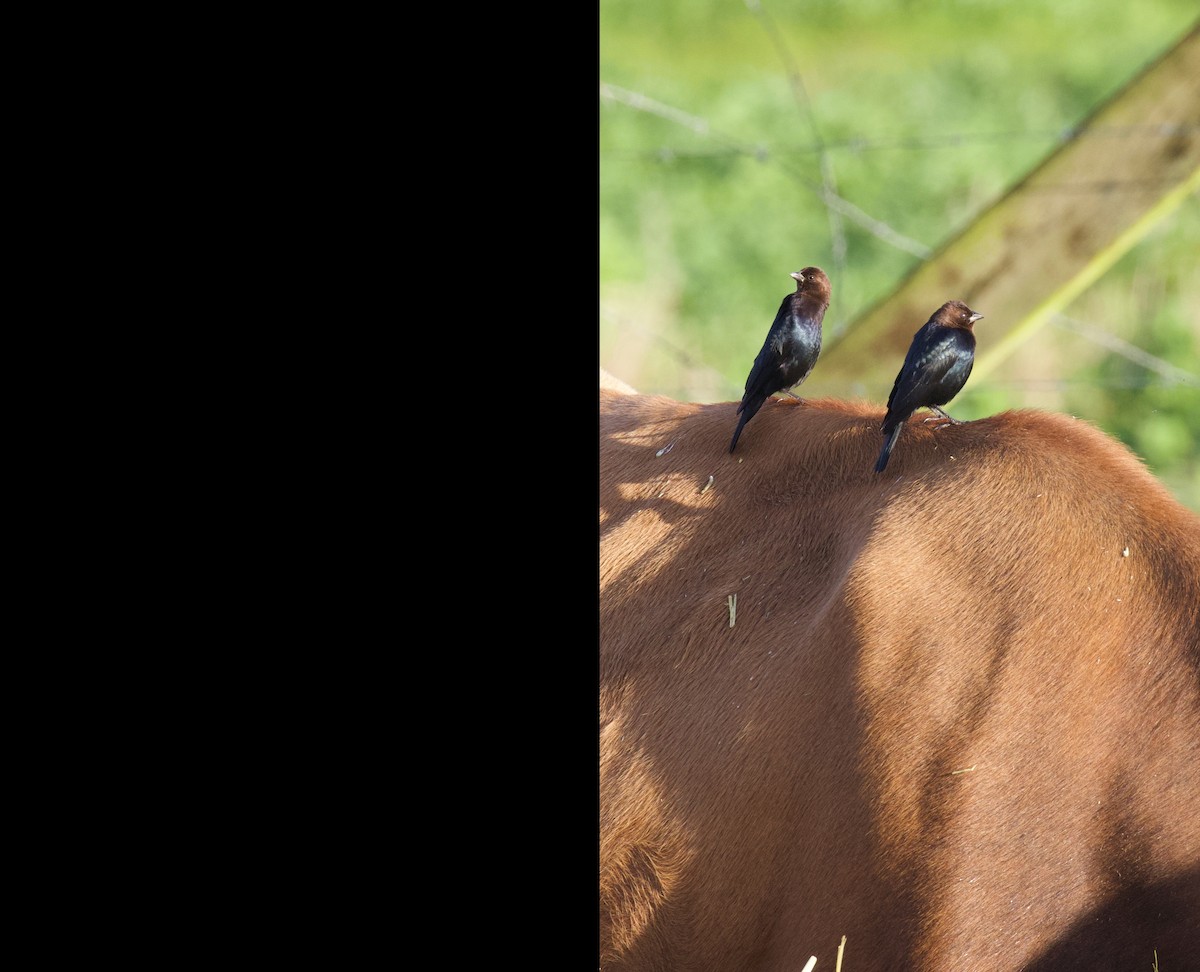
x=886, y=452
x=738, y=431
x=747, y=409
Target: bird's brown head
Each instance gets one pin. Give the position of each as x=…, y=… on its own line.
x=813, y=282
x=954, y=313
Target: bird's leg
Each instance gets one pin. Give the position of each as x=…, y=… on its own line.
x=943, y=416
x=788, y=391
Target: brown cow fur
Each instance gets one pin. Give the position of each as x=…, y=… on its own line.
x=957, y=718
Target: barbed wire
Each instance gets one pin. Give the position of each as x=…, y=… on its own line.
x=1173, y=374
x=839, y=204
x=876, y=227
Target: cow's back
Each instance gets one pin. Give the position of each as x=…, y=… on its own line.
x=955, y=717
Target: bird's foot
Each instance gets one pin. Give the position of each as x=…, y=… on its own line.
x=943, y=417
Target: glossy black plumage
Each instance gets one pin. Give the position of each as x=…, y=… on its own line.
x=937, y=365
x=791, y=347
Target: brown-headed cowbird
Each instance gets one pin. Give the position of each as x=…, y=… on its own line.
x=791, y=348
x=936, y=367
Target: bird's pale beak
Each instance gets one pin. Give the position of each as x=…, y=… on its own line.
x=976, y=317
x=797, y=276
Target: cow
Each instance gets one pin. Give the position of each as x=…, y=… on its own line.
x=950, y=711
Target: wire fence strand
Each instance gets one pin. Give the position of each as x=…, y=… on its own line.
x=876, y=227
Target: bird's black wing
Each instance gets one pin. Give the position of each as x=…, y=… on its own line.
x=763, y=380
x=934, y=371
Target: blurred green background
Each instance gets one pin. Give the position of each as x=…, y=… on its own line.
x=712, y=113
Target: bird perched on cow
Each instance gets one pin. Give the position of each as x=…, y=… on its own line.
x=937, y=365
x=791, y=347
